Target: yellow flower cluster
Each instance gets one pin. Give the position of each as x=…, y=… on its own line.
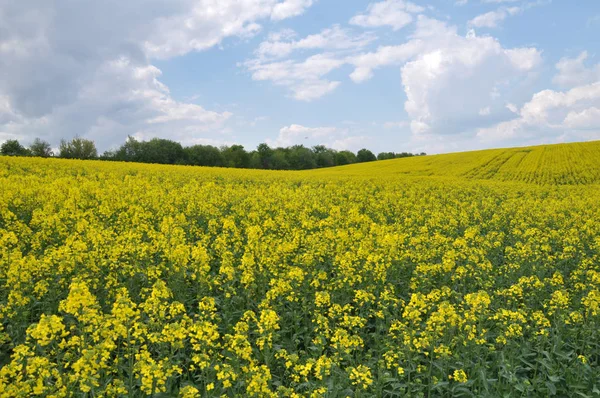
x=140, y=280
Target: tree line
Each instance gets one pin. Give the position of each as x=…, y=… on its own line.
x=164, y=151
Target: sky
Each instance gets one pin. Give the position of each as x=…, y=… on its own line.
x=424, y=76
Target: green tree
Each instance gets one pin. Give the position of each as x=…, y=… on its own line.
x=162, y=151
x=386, y=155
x=204, y=155
x=265, y=155
x=301, y=158
x=157, y=150
x=279, y=160
x=344, y=157
x=78, y=148
x=13, y=148
x=364, y=155
x=40, y=148
x=324, y=157
x=130, y=151
x=235, y=156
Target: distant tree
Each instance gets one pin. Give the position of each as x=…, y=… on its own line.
x=344, y=157
x=279, y=159
x=324, y=157
x=386, y=155
x=254, y=162
x=301, y=158
x=204, y=155
x=296, y=157
x=422, y=154
x=40, y=148
x=110, y=154
x=78, y=148
x=130, y=151
x=364, y=155
x=157, y=150
x=162, y=151
x=235, y=156
x=265, y=155
x=13, y=148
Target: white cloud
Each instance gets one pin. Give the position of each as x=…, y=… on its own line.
x=455, y=76
x=394, y=13
x=313, y=89
x=353, y=143
x=550, y=113
x=586, y=119
x=512, y=107
x=85, y=67
x=453, y=83
x=298, y=134
x=205, y=23
x=290, y=8
x=395, y=125
x=573, y=71
x=485, y=111
x=493, y=18
x=280, y=45
x=108, y=113
x=305, y=79
x=332, y=137
x=384, y=56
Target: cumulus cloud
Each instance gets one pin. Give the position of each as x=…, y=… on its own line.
x=205, y=23
x=85, y=67
x=394, y=13
x=281, y=44
x=332, y=137
x=493, y=18
x=573, y=71
x=290, y=8
x=552, y=113
x=275, y=60
x=140, y=104
x=453, y=77
x=453, y=83
x=365, y=63
x=305, y=79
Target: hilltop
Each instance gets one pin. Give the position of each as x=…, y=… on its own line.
x=559, y=164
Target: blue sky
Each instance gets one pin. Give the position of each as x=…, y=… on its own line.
x=392, y=75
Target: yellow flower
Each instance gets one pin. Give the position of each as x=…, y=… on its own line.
x=189, y=392
x=459, y=376
x=361, y=376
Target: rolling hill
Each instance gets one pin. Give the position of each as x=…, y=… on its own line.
x=561, y=164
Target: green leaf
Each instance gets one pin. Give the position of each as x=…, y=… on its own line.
x=551, y=388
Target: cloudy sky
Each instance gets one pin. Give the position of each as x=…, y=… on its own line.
x=434, y=76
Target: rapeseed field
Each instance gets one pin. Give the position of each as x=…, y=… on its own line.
x=474, y=274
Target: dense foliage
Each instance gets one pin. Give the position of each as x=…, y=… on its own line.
x=296, y=157
x=134, y=280
x=78, y=148
x=13, y=148
x=163, y=151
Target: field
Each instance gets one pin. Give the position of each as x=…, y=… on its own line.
x=473, y=274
